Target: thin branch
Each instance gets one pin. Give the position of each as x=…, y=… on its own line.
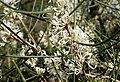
x=24, y=42
x=107, y=47
x=7, y=5
x=26, y=12
x=84, y=44
x=76, y=7
x=29, y=13
x=27, y=30
x=106, y=5
x=24, y=80
x=32, y=77
x=12, y=32
x=15, y=56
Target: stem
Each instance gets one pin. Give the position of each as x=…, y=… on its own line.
x=31, y=12
x=24, y=80
x=15, y=56
x=76, y=7
x=106, y=5
x=74, y=15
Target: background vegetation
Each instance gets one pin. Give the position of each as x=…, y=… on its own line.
x=59, y=40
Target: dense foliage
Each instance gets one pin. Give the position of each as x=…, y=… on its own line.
x=59, y=40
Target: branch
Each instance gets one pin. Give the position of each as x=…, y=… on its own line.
x=23, y=41
x=84, y=44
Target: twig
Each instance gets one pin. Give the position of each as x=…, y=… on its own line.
x=32, y=77
x=29, y=13
x=15, y=56
x=106, y=5
x=84, y=44
x=107, y=47
x=24, y=42
x=27, y=30
x=26, y=12
x=76, y=7
x=24, y=80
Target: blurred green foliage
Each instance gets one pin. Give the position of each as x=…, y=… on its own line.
x=27, y=5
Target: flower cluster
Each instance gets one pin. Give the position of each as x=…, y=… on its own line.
x=62, y=49
x=59, y=37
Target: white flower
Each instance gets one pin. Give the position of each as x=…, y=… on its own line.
x=30, y=51
x=7, y=1
x=70, y=65
x=92, y=63
x=43, y=53
x=14, y=43
x=111, y=65
x=6, y=10
x=32, y=62
x=66, y=52
x=47, y=61
x=56, y=60
x=22, y=52
x=2, y=44
x=20, y=34
x=5, y=39
x=58, y=53
x=77, y=71
x=39, y=70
